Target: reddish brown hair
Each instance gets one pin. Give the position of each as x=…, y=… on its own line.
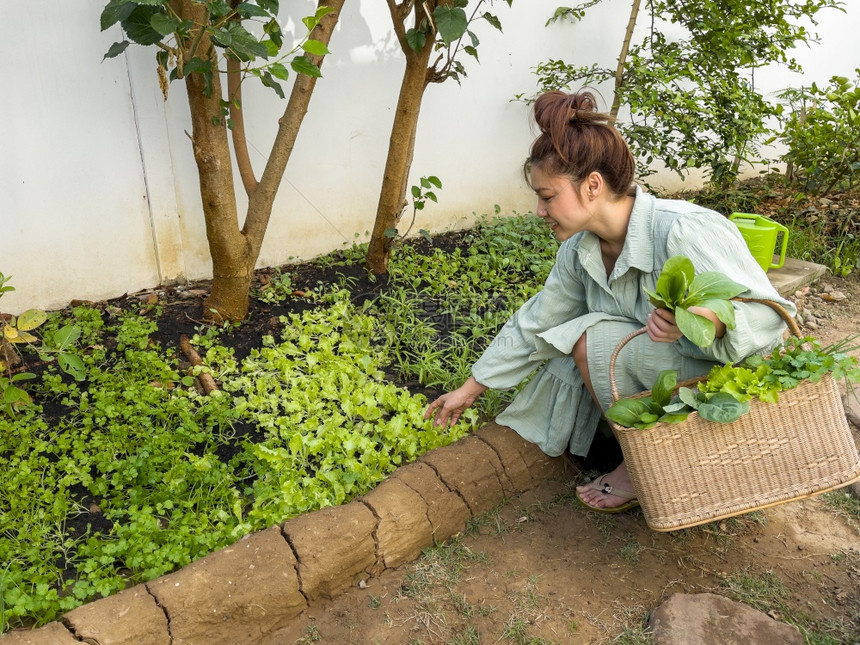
x=576, y=140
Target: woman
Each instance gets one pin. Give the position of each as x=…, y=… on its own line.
x=615, y=239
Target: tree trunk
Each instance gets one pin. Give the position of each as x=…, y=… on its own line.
x=234, y=251
x=400, y=149
x=231, y=273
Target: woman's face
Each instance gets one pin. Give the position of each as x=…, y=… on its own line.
x=559, y=203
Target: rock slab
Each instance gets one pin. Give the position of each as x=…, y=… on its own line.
x=709, y=619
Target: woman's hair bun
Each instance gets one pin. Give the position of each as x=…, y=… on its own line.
x=577, y=139
x=556, y=109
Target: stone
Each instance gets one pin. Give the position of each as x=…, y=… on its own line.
x=794, y=275
x=334, y=547
x=446, y=510
x=235, y=595
x=51, y=634
x=404, y=528
x=709, y=619
x=130, y=617
x=471, y=468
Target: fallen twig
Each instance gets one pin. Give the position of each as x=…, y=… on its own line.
x=206, y=381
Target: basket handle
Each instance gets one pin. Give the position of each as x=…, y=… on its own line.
x=787, y=317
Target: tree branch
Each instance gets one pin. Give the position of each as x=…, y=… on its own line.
x=399, y=14
x=262, y=199
x=240, y=143
x=204, y=378
x=622, y=57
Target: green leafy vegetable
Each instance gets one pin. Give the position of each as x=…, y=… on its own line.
x=725, y=394
x=722, y=407
x=678, y=288
x=644, y=412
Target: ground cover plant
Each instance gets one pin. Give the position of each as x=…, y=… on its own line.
x=133, y=470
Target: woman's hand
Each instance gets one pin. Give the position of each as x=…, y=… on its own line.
x=448, y=407
x=661, y=326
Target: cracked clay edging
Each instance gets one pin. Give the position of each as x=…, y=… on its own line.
x=255, y=587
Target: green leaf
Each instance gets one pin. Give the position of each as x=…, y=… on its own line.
x=657, y=301
x=676, y=276
x=674, y=417
x=218, y=8
x=666, y=381
x=279, y=71
x=221, y=37
x=14, y=394
x=138, y=26
x=451, y=23
x=269, y=5
x=723, y=408
x=66, y=336
x=164, y=24
x=273, y=29
x=724, y=310
x=248, y=10
x=698, y=329
x=712, y=285
x=490, y=18
x=416, y=39
x=312, y=21
x=115, y=11
x=267, y=80
x=628, y=412
x=244, y=45
x=200, y=66
x=72, y=365
x=315, y=47
x=303, y=65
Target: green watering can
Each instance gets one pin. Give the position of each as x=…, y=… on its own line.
x=760, y=234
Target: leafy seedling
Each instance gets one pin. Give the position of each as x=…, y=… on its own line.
x=679, y=288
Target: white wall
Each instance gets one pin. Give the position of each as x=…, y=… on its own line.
x=99, y=187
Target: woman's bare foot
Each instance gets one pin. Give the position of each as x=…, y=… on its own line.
x=599, y=493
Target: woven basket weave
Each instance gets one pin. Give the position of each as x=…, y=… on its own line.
x=698, y=471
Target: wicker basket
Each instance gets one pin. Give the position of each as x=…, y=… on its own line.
x=698, y=471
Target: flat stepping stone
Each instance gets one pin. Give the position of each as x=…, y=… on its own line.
x=709, y=619
x=794, y=275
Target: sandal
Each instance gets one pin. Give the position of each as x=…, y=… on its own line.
x=608, y=489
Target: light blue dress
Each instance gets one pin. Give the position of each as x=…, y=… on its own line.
x=554, y=410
